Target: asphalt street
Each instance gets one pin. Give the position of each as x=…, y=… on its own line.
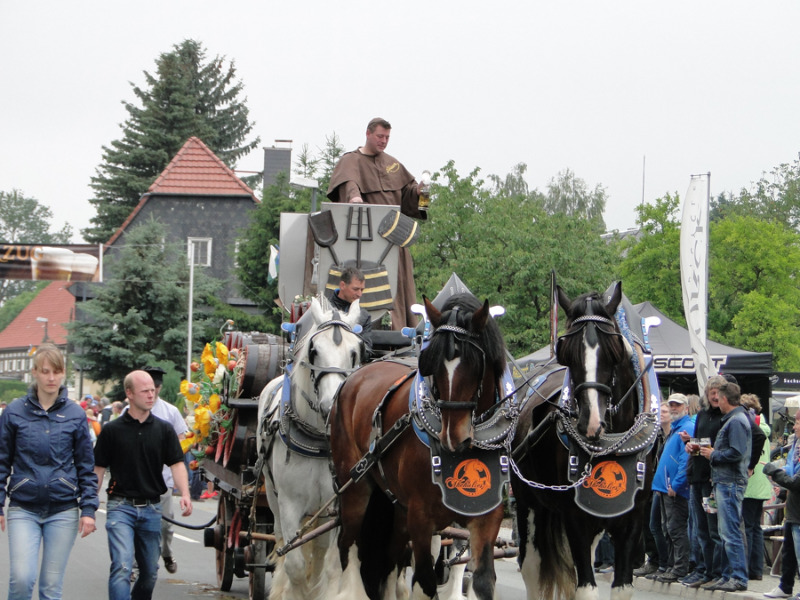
x=87, y=571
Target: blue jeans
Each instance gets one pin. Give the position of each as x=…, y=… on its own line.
x=729, y=498
x=706, y=534
x=26, y=532
x=132, y=531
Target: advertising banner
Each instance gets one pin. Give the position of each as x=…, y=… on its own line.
x=50, y=262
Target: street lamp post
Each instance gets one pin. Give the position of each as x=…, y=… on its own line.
x=45, y=321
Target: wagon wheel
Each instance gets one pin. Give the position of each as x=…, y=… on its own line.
x=258, y=574
x=225, y=555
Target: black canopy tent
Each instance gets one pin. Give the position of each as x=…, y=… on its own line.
x=673, y=361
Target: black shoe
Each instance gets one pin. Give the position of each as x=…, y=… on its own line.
x=655, y=574
x=645, y=570
x=171, y=565
x=669, y=577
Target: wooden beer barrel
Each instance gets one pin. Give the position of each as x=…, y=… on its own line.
x=263, y=361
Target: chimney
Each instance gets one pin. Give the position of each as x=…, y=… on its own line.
x=277, y=160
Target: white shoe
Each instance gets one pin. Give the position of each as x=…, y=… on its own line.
x=777, y=593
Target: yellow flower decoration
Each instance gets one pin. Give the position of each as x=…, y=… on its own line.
x=187, y=442
x=209, y=361
x=191, y=391
x=222, y=353
x=202, y=420
x=214, y=402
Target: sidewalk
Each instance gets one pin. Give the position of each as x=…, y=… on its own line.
x=755, y=589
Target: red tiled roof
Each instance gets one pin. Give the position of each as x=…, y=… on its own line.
x=194, y=171
x=54, y=303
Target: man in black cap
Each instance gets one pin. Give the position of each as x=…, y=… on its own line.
x=169, y=413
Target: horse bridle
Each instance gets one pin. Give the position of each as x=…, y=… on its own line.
x=611, y=407
x=317, y=373
x=463, y=337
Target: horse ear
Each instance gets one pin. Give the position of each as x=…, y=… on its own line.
x=434, y=316
x=563, y=300
x=317, y=310
x=616, y=298
x=353, y=313
x=480, y=317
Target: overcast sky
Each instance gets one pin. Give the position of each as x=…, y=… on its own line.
x=592, y=86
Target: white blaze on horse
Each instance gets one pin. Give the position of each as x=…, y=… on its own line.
x=293, y=410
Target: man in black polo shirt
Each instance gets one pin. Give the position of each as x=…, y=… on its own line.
x=135, y=447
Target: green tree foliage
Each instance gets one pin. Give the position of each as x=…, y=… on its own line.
x=25, y=221
x=748, y=256
x=569, y=195
x=139, y=315
x=186, y=97
x=320, y=166
x=753, y=261
x=503, y=244
x=774, y=198
x=650, y=270
x=253, y=258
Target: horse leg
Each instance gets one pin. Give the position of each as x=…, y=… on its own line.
x=626, y=541
x=482, y=537
x=529, y=560
x=582, y=556
x=343, y=556
x=450, y=589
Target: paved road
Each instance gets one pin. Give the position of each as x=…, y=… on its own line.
x=87, y=572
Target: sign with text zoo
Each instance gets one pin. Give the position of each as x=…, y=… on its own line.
x=51, y=262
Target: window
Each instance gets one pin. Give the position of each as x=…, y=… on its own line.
x=202, y=251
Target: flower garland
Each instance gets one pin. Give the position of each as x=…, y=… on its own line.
x=214, y=379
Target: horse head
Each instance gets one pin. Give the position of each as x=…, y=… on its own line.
x=593, y=348
x=326, y=355
x=464, y=362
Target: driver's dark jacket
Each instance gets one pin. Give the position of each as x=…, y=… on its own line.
x=364, y=319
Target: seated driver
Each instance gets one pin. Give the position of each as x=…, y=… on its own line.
x=350, y=289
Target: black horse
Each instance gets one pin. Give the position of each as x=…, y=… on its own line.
x=582, y=460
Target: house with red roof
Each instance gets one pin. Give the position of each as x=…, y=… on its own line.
x=203, y=204
x=41, y=321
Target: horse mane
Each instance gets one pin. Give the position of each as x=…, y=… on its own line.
x=489, y=339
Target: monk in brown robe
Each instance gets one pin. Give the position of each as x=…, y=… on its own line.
x=370, y=175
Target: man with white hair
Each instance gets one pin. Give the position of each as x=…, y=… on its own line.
x=672, y=487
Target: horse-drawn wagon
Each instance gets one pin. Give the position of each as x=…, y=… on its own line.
x=452, y=413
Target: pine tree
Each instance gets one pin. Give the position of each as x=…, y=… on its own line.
x=186, y=97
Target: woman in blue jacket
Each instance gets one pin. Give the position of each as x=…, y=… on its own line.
x=47, y=470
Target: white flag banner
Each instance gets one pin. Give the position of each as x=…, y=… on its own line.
x=274, y=255
x=694, y=273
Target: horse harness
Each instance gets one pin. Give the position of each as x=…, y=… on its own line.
x=424, y=416
x=299, y=436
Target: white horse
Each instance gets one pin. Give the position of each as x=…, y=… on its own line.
x=292, y=414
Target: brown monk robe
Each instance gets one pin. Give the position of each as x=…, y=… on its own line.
x=381, y=179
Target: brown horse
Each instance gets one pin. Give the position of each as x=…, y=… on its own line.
x=582, y=459
x=461, y=377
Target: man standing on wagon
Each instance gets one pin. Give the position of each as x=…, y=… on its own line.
x=371, y=176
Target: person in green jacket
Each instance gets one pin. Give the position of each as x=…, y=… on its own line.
x=759, y=489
